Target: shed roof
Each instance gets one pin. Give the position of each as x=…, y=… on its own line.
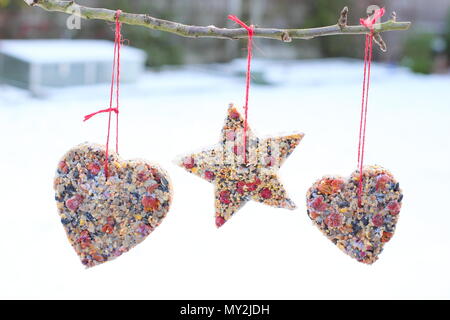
x=65, y=51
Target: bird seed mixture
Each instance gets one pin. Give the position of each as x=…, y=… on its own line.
x=104, y=218
x=361, y=232
x=237, y=181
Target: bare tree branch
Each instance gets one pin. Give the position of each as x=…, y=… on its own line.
x=145, y=20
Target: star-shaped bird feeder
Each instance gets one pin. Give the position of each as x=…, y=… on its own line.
x=239, y=177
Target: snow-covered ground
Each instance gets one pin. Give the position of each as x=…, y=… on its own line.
x=262, y=252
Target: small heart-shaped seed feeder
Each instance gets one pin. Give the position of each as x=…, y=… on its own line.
x=362, y=230
x=105, y=217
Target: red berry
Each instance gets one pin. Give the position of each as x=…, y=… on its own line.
x=252, y=186
x=62, y=166
x=240, y=184
x=393, y=207
x=318, y=204
x=386, y=236
x=381, y=181
x=74, y=202
x=142, y=176
x=189, y=162
x=220, y=221
x=336, y=185
x=107, y=228
x=378, y=220
x=209, y=175
x=93, y=168
x=334, y=220
x=150, y=203
x=234, y=114
x=265, y=193
x=240, y=187
x=224, y=197
x=314, y=215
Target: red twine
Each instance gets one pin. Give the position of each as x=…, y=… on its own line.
x=371, y=20
x=251, y=31
x=115, y=80
x=369, y=23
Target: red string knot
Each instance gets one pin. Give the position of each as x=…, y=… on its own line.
x=118, y=13
x=371, y=20
x=250, y=29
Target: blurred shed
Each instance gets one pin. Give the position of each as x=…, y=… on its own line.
x=35, y=64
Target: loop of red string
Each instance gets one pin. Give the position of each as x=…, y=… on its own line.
x=115, y=82
x=251, y=31
x=371, y=20
x=369, y=23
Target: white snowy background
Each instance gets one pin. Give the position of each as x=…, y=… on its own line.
x=262, y=252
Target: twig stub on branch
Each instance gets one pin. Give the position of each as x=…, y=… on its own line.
x=342, y=22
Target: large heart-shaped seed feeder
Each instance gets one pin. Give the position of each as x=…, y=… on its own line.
x=359, y=231
x=104, y=218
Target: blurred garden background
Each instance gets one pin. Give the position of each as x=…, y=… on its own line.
x=425, y=48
